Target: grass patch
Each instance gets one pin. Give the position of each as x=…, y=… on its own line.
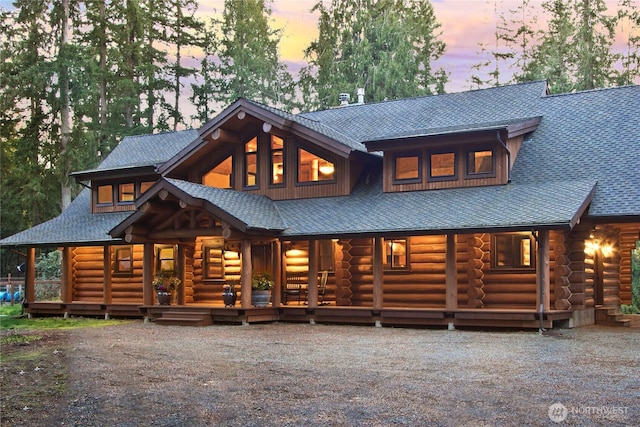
x=18, y=323
x=11, y=318
x=10, y=310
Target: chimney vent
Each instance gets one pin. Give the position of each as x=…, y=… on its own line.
x=344, y=98
x=360, y=95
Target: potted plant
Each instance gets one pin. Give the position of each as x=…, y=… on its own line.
x=261, y=284
x=229, y=294
x=164, y=284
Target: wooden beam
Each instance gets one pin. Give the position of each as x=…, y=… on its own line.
x=106, y=274
x=192, y=232
x=224, y=135
x=378, y=281
x=30, y=276
x=312, y=285
x=182, y=262
x=241, y=115
x=542, y=270
x=148, y=261
x=66, y=293
x=163, y=194
x=276, y=296
x=266, y=127
x=451, y=273
x=245, y=276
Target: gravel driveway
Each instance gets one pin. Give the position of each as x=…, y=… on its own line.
x=326, y=375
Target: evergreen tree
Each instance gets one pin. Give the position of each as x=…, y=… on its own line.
x=202, y=92
x=629, y=61
x=248, y=61
x=554, y=56
x=185, y=29
x=383, y=46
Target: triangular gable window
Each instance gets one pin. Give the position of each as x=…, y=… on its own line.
x=221, y=174
x=313, y=168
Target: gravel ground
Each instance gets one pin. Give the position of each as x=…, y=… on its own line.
x=327, y=375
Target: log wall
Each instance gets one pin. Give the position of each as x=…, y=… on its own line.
x=628, y=235
x=88, y=276
x=210, y=291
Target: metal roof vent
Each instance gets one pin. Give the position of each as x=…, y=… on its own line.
x=344, y=98
x=360, y=95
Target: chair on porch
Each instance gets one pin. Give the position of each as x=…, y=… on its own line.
x=322, y=287
x=295, y=285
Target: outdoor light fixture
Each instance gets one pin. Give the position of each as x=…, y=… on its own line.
x=597, y=243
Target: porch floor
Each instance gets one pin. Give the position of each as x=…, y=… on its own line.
x=202, y=314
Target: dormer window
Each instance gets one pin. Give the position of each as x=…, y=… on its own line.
x=118, y=196
x=313, y=168
x=105, y=195
x=251, y=163
x=126, y=193
x=407, y=168
x=480, y=162
x=442, y=166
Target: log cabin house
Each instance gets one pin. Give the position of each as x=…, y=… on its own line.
x=496, y=207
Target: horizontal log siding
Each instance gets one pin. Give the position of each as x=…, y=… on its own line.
x=187, y=286
x=511, y=289
x=629, y=234
x=206, y=291
x=128, y=289
x=462, y=260
x=88, y=276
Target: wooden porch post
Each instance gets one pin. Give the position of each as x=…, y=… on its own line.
x=312, y=289
x=106, y=274
x=182, y=263
x=378, y=284
x=542, y=271
x=451, y=276
x=30, y=276
x=66, y=292
x=148, y=258
x=451, y=273
x=278, y=262
x=245, y=277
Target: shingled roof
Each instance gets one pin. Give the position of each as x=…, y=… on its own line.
x=76, y=225
x=584, y=154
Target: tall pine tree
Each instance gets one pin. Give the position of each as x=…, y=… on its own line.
x=248, y=63
x=384, y=46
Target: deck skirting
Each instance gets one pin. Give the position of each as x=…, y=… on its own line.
x=203, y=315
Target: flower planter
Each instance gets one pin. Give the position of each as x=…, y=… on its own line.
x=229, y=297
x=260, y=298
x=164, y=297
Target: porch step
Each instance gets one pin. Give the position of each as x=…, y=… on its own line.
x=634, y=320
x=610, y=316
x=185, y=318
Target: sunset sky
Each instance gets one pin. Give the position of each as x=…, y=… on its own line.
x=465, y=23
